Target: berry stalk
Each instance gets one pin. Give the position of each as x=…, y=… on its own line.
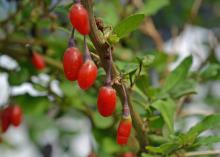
x=126, y=110
x=109, y=72
x=77, y=1
x=86, y=49
x=71, y=42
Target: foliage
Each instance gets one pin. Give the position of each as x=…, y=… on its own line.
x=156, y=94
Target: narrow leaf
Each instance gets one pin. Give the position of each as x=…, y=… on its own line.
x=151, y=7
x=184, y=88
x=128, y=25
x=167, y=109
x=207, y=141
x=209, y=122
x=164, y=148
x=178, y=75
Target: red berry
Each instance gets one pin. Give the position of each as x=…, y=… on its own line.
x=106, y=101
x=5, y=119
x=16, y=115
x=38, y=61
x=128, y=154
x=72, y=61
x=79, y=18
x=124, y=131
x=87, y=74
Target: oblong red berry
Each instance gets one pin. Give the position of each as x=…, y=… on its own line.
x=79, y=18
x=106, y=101
x=5, y=119
x=72, y=61
x=87, y=74
x=16, y=115
x=124, y=131
x=38, y=61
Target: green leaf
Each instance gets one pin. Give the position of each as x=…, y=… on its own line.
x=178, y=75
x=142, y=83
x=127, y=68
x=184, y=88
x=209, y=122
x=18, y=77
x=167, y=109
x=32, y=105
x=102, y=122
x=151, y=7
x=128, y=25
x=146, y=60
x=211, y=71
x=164, y=148
x=207, y=141
x=109, y=145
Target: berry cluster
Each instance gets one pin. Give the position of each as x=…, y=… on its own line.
x=74, y=68
x=85, y=72
x=10, y=115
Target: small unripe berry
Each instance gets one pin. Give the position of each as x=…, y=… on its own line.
x=79, y=18
x=38, y=61
x=16, y=115
x=87, y=74
x=124, y=131
x=106, y=101
x=72, y=61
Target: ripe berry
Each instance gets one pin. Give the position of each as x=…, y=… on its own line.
x=106, y=101
x=38, y=61
x=79, y=18
x=124, y=131
x=16, y=115
x=5, y=119
x=72, y=61
x=87, y=74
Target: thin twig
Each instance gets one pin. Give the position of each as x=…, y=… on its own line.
x=194, y=11
x=203, y=153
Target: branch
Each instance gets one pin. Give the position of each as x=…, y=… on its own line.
x=103, y=48
x=19, y=53
x=148, y=28
x=203, y=153
x=194, y=11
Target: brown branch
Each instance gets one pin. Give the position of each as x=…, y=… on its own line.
x=148, y=28
x=103, y=48
x=194, y=11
